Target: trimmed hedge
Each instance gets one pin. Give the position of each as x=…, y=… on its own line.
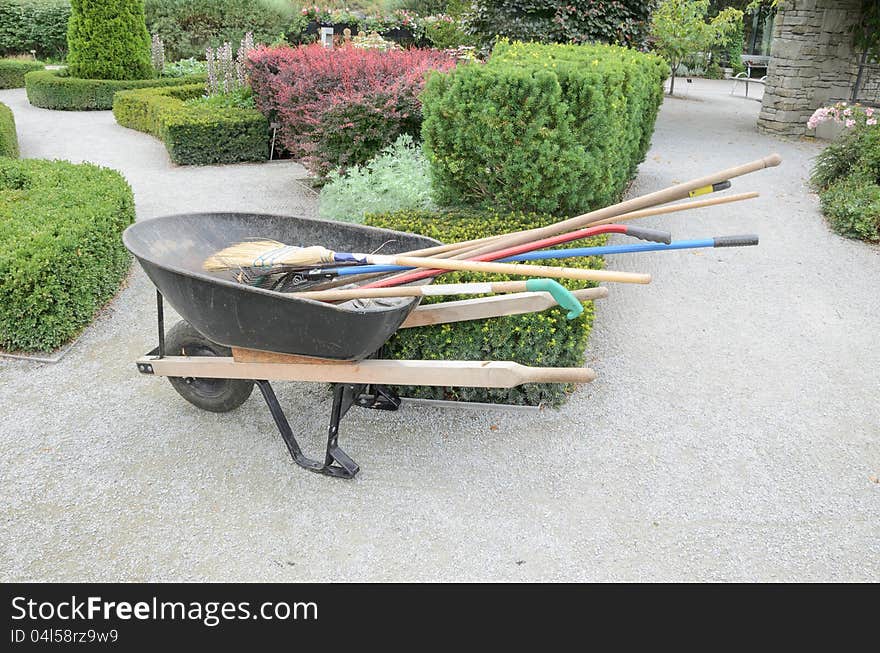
x=108, y=39
x=39, y=25
x=550, y=128
x=8, y=135
x=62, y=256
x=50, y=90
x=545, y=339
x=194, y=135
x=12, y=72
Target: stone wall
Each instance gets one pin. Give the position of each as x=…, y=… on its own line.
x=812, y=63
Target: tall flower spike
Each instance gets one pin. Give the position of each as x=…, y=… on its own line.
x=211, y=69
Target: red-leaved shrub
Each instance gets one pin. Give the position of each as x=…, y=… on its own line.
x=339, y=107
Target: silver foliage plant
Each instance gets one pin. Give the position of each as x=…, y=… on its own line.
x=227, y=72
x=398, y=178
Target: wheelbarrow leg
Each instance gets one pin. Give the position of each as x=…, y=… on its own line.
x=336, y=462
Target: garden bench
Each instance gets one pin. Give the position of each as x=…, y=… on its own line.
x=758, y=63
x=744, y=78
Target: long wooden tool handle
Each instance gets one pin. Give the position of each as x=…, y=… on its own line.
x=468, y=246
x=482, y=308
x=414, y=291
x=514, y=268
x=675, y=208
x=671, y=194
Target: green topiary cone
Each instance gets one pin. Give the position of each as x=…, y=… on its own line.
x=108, y=39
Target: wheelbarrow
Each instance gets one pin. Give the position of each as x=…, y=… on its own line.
x=234, y=336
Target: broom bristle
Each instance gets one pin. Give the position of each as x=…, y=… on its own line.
x=267, y=254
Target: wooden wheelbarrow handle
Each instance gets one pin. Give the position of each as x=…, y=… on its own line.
x=473, y=374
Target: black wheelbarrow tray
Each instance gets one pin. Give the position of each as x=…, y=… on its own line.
x=233, y=336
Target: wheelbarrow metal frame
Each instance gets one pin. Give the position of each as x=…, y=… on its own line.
x=360, y=383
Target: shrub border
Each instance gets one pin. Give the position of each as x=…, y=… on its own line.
x=194, y=135
x=63, y=257
x=49, y=90
x=8, y=135
x=12, y=71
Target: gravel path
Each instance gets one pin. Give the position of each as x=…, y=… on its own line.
x=732, y=433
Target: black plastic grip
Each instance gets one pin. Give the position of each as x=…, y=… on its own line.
x=654, y=235
x=721, y=185
x=736, y=241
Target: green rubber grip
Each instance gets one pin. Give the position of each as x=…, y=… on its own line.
x=562, y=296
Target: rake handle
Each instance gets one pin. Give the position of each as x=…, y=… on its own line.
x=515, y=268
x=677, y=192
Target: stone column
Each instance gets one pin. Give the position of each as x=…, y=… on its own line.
x=812, y=62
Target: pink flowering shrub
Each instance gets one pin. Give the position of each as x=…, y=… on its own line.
x=339, y=107
x=849, y=116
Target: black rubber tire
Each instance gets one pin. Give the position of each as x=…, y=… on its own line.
x=215, y=395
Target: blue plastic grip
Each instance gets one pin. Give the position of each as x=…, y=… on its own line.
x=562, y=296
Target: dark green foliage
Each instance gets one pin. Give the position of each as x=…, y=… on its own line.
x=195, y=133
x=444, y=34
x=852, y=206
x=856, y=149
x=107, y=39
x=423, y=7
x=544, y=339
x=623, y=22
x=12, y=71
x=51, y=90
x=549, y=128
x=736, y=47
x=62, y=256
x=39, y=25
x=847, y=176
x=8, y=136
x=188, y=26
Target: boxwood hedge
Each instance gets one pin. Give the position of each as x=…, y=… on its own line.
x=194, y=135
x=62, y=256
x=551, y=128
x=8, y=136
x=12, y=71
x=52, y=89
x=544, y=339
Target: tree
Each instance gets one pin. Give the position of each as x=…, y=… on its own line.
x=679, y=28
x=108, y=39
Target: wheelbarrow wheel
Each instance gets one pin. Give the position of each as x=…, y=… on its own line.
x=215, y=395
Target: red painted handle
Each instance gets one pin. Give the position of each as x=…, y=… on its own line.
x=504, y=253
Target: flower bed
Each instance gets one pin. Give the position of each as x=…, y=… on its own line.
x=51, y=89
x=847, y=172
x=545, y=339
x=12, y=71
x=194, y=134
x=62, y=256
x=8, y=136
x=339, y=108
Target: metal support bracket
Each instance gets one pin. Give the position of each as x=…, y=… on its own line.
x=336, y=462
